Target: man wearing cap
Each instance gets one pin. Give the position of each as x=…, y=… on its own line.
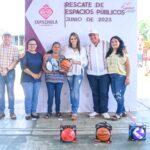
x=9, y=56
x=97, y=74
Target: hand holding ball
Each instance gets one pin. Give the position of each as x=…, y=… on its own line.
x=65, y=64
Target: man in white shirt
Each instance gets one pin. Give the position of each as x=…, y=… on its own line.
x=97, y=74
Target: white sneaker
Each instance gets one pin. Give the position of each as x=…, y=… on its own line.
x=93, y=114
x=105, y=115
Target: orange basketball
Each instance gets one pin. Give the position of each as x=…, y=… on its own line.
x=68, y=134
x=65, y=64
x=103, y=134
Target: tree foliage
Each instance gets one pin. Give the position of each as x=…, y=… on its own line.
x=144, y=29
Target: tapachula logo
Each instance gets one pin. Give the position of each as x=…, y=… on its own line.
x=45, y=11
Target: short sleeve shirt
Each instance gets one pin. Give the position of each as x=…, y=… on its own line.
x=8, y=55
x=116, y=63
x=32, y=62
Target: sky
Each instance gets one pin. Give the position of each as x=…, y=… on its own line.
x=143, y=9
x=12, y=14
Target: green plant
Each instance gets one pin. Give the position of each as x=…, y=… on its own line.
x=144, y=29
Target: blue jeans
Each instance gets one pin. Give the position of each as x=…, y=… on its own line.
x=118, y=89
x=74, y=82
x=7, y=80
x=100, y=88
x=54, y=88
x=31, y=91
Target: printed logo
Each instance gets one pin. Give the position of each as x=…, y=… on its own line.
x=45, y=11
x=128, y=7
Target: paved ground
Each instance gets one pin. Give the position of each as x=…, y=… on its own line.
x=43, y=134
x=84, y=143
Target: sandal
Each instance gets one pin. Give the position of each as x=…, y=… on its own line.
x=74, y=117
x=28, y=117
x=115, y=117
x=58, y=114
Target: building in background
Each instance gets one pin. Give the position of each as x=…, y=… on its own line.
x=18, y=40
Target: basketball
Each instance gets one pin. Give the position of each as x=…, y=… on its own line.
x=68, y=135
x=103, y=134
x=65, y=64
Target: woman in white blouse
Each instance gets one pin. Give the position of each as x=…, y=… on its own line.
x=77, y=55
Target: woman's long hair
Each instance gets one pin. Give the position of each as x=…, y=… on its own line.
x=78, y=41
x=120, y=48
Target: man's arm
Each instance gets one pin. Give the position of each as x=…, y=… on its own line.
x=13, y=65
x=15, y=59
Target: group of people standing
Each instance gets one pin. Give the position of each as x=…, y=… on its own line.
x=105, y=64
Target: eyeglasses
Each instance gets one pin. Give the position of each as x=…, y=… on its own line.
x=33, y=44
x=73, y=39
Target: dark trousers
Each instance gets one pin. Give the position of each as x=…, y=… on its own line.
x=100, y=88
x=54, y=88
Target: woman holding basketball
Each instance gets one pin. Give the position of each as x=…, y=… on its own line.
x=77, y=55
x=54, y=77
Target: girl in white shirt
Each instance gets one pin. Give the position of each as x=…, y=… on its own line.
x=77, y=55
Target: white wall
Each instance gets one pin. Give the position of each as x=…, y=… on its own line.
x=121, y=25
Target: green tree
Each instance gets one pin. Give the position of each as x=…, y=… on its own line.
x=144, y=28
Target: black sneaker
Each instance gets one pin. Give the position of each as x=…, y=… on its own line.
x=2, y=115
x=13, y=116
x=48, y=115
x=58, y=114
x=35, y=116
x=124, y=114
x=28, y=117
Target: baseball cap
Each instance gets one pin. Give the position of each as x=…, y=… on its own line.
x=6, y=34
x=93, y=31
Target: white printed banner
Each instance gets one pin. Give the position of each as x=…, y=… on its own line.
x=53, y=20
